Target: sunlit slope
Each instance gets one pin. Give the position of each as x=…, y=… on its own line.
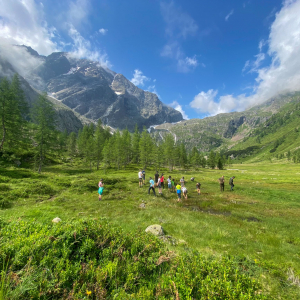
x=274, y=138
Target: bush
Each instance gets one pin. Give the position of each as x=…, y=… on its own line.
x=87, y=259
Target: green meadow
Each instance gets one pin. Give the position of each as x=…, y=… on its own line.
x=257, y=223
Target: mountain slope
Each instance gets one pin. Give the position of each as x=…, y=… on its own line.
x=228, y=129
x=66, y=118
x=274, y=138
x=95, y=92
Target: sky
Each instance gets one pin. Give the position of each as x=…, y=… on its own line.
x=200, y=57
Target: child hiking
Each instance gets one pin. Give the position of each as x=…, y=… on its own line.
x=159, y=186
x=169, y=183
x=198, y=185
x=100, y=189
x=151, y=186
x=178, y=192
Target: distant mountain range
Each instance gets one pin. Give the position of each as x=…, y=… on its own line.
x=94, y=92
x=228, y=130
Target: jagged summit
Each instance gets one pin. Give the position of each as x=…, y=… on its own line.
x=96, y=92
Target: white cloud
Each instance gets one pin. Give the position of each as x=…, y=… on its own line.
x=282, y=75
x=78, y=12
x=82, y=48
x=103, y=31
x=179, y=23
x=138, y=78
x=178, y=107
x=229, y=15
x=21, y=22
x=179, y=26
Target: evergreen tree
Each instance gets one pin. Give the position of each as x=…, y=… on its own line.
x=169, y=149
x=288, y=155
x=146, y=148
x=211, y=160
x=99, y=142
x=13, y=111
x=44, y=117
x=136, y=145
x=126, y=141
x=71, y=144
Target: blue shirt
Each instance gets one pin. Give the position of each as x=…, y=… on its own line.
x=151, y=183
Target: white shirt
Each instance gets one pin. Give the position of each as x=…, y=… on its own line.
x=169, y=180
x=140, y=175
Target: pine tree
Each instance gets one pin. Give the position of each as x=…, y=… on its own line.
x=145, y=146
x=136, y=145
x=99, y=142
x=13, y=111
x=71, y=144
x=211, y=160
x=169, y=149
x=126, y=141
x=44, y=117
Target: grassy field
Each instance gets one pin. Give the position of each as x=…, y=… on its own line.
x=259, y=220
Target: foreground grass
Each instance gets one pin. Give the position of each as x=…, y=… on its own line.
x=259, y=220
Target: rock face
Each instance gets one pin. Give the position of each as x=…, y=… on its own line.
x=98, y=93
x=66, y=119
x=156, y=230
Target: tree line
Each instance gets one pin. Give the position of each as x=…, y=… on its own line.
x=33, y=133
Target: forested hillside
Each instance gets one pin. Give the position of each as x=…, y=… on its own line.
x=275, y=139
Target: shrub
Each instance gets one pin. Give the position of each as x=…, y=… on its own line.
x=87, y=259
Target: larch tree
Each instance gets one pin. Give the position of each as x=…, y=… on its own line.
x=44, y=117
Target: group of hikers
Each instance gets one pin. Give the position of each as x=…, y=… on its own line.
x=173, y=185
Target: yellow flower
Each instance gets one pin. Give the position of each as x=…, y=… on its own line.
x=88, y=292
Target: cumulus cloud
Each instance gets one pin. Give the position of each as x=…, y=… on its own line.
x=103, y=31
x=229, y=15
x=179, y=26
x=82, y=48
x=138, y=78
x=178, y=107
x=20, y=59
x=282, y=75
x=21, y=22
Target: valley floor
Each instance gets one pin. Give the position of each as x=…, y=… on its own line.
x=259, y=220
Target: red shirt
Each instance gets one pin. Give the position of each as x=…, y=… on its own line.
x=162, y=179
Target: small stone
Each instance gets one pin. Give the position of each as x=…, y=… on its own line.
x=56, y=220
x=155, y=230
x=142, y=205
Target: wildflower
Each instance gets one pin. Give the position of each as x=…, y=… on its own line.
x=88, y=292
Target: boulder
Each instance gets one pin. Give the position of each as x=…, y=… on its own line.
x=155, y=229
x=142, y=205
x=56, y=220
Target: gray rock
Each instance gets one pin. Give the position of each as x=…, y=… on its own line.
x=142, y=205
x=56, y=220
x=156, y=230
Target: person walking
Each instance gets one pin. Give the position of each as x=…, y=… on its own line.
x=144, y=176
x=169, y=183
x=182, y=182
x=152, y=184
x=184, y=192
x=231, y=183
x=173, y=185
x=178, y=192
x=156, y=177
x=100, y=189
x=221, y=181
x=162, y=179
x=198, y=185
x=140, y=178
x=159, y=186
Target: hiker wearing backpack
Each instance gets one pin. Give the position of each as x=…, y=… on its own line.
x=231, y=183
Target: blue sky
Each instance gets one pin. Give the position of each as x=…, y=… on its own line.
x=201, y=57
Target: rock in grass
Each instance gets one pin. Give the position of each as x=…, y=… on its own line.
x=155, y=229
x=142, y=205
x=56, y=220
